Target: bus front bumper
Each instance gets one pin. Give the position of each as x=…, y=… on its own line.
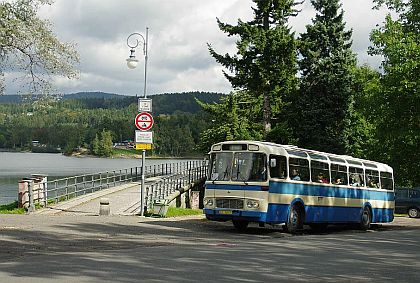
x=235, y=214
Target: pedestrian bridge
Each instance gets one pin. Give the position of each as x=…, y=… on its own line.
x=165, y=184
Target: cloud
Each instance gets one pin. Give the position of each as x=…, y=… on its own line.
x=179, y=32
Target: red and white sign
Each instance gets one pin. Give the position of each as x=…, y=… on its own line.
x=144, y=121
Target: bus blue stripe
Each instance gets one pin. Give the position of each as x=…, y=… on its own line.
x=316, y=190
x=312, y=190
x=277, y=213
x=234, y=187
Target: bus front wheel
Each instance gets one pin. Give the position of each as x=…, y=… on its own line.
x=295, y=220
x=366, y=219
x=240, y=225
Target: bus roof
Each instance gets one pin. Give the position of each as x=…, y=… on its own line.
x=294, y=151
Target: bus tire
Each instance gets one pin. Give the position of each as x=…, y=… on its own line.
x=240, y=225
x=295, y=220
x=413, y=212
x=366, y=219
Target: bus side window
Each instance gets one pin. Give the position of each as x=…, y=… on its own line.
x=356, y=177
x=372, y=178
x=338, y=174
x=320, y=172
x=299, y=169
x=280, y=169
x=386, y=181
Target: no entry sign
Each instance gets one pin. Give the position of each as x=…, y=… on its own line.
x=144, y=121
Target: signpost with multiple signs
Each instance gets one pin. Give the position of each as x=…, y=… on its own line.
x=143, y=137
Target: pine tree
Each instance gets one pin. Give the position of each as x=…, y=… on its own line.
x=265, y=63
x=326, y=82
x=231, y=121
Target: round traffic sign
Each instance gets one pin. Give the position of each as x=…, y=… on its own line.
x=144, y=121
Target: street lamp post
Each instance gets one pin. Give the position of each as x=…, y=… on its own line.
x=133, y=41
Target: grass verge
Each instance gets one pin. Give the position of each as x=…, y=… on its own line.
x=11, y=208
x=177, y=211
x=124, y=152
x=400, y=215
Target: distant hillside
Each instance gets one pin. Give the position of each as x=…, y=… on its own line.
x=93, y=95
x=78, y=95
x=166, y=103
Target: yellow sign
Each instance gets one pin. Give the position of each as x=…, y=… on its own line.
x=143, y=146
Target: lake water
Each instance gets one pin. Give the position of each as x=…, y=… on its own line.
x=15, y=165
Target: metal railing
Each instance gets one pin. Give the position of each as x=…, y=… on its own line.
x=63, y=189
x=168, y=185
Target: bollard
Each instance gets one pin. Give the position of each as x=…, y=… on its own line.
x=104, y=206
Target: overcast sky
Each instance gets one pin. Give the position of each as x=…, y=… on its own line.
x=178, y=32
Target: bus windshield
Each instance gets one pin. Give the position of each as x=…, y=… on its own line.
x=241, y=166
x=221, y=166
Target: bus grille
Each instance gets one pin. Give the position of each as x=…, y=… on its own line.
x=230, y=203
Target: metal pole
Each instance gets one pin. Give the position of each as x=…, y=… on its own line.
x=145, y=60
x=143, y=160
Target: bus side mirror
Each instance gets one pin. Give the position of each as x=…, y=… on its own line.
x=273, y=163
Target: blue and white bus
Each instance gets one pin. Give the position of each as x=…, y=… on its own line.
x=274, y=184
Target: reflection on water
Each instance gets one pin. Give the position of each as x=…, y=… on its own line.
x=15, y=166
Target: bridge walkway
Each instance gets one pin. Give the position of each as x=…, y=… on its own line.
x=124, y=200
x=82, y=194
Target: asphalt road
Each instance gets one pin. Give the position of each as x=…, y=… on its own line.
x=41, y=248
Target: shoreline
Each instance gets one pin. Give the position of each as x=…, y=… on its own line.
x=114, y=156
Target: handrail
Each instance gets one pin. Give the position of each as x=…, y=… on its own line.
x=168, y=186
x=62, y=189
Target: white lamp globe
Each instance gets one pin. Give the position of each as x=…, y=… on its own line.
x=132, y=63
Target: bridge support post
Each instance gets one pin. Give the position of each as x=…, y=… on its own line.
x=31, y=207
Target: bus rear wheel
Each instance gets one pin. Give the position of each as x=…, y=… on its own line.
x=295, y=220
x=366, y=219
x=240, y=225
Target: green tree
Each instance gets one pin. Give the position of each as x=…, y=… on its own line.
x=102, y=144
x=106, y=143
x=27, y=43
x=398, y=101
x=95, y=145
x=265, y=63
x=231, y=121
x=326, y=65
x=362, y=117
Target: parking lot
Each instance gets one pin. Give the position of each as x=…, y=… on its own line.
x=36, y=248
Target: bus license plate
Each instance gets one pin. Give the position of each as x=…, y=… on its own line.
x=226, y=212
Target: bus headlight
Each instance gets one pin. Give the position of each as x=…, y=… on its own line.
x=208, y=202
x=252, y=204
